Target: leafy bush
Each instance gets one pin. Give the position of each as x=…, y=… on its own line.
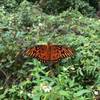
x=58, y=6
x=77, y=78
x=54, y=6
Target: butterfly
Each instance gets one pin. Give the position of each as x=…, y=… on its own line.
x=49, y=53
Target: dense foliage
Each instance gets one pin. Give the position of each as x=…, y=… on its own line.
x=86, y=7
x=24, y=78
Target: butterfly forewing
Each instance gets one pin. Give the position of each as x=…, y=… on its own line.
x=59, y=52
x=30, y=52
x=39, y=51
x=67, y=52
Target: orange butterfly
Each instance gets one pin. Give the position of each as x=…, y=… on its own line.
x=49, y=53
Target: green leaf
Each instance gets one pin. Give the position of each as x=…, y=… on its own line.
x=81, y=92
x=64, y=93
x=36, y=97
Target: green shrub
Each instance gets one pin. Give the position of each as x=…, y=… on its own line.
x=58, y=6
x=53, y=6
x=30, y=80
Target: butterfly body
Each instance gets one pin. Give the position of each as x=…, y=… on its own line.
x=49, y=53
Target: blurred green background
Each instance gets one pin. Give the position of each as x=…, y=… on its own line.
x=25, y=23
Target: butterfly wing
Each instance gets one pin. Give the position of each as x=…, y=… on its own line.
x=49, y=53
x=39, y=51
x=66, y=52
x=59, y=52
